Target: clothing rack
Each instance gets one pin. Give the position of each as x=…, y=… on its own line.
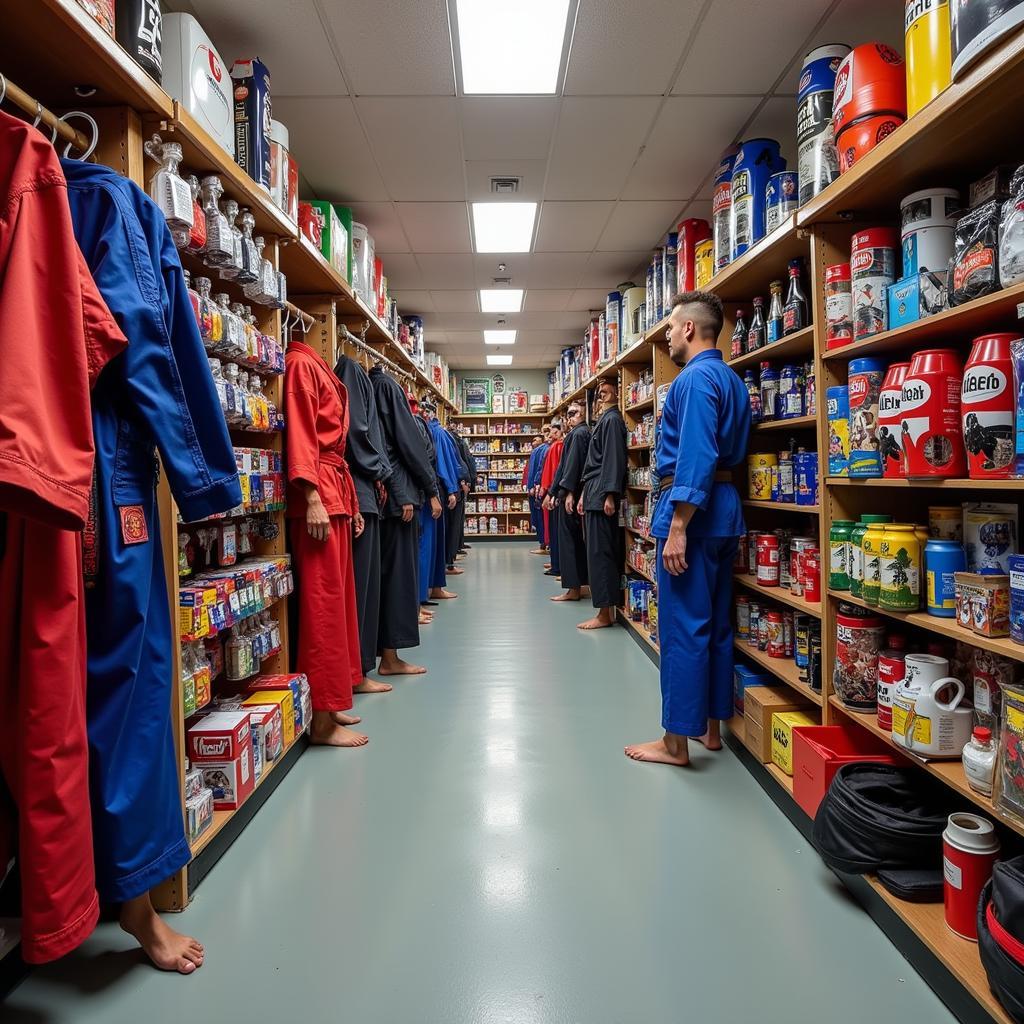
x=58, y=125
x=300, y=315
x=348, y=338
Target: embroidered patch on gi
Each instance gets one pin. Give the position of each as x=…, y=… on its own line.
x=133, y=524
x=90, y=541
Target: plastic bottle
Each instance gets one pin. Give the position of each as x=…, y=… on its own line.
x=979, y=757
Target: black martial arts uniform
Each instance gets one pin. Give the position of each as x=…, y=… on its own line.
x=470, y=463
x=605, y=474
x=412, y=483
x=572, y=552
x=368, y=462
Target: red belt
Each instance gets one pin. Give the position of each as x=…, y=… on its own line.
x=1011, y=946
x=331, y=459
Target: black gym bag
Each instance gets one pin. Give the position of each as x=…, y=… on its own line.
x=1001, y=935
x=885, y=820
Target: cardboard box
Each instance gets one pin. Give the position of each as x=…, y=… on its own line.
x=783, y=723
x=220, y=736
x=268, y=731
x=232, y=781
x=285, y=700
x=760, y=703
x=288, y=681
x=915, y=297
x=334, y=243
x=744, y=676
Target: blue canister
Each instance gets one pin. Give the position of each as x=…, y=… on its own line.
x=1016, y=598
x=787, y=479
x=805, y=477
x=791, y=392
x=669, y=270
x=781, y=199
x=837, y=408
x=943, y=558
x=769, y=393
x=659, y=299
x=721, y=210
x=817, y=160
x=756, y=162
x=649, y=306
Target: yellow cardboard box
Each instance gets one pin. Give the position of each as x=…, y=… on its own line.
x=782, y=737
x=284, y=698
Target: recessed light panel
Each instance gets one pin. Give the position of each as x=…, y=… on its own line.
x=501, y=300
x=503, y=227
x=499, y=360
x=499, y=337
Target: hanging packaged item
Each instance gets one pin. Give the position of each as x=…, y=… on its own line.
x=756, y=161
x=691, y=234
x=987, y=407
x=928, y=220
x=858, y=643
x=781, y=199
x=838, y=305
x=817, y=158
x=930, y=410
x=252, y=119
x=974, y=268
x=837, y=403
x=865, y=384
x=873, y=269
x=990, y=535
x=195, y=75
x=721, y=210
x=978, y=25
x=890, y=432
x=929, y=62
x=1011, y=233
x=170, y=191
x=138, y=30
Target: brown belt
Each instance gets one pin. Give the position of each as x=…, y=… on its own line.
x=722, y=476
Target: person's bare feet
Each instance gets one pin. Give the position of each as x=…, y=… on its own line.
x=169, y=950
x=398, y=667
x=572, y=594
x=369, y=685
x=440, y=594
x=711, y=740
x=343, y=719
x=538, y=551
x=455, y=571
x=547, y=565
x=602, y=620
x=657, y=752
x=325, y=732
x=426, y=618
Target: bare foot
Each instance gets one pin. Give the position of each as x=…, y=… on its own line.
x=169, y=950
x=569, y=595
x=369, y=685
x=599, y=621
x=547, y=565
x=708, y=741
x=657, y=751
x=397, y=667
x=426, y=619
x=440, y=594
x=325, y=732
x=455, y=572
x=342, y=719
x=538, y=551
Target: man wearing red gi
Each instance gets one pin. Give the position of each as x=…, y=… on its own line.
x=323, y=508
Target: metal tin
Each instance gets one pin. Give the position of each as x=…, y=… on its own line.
x=872, y=270
x=928, y=222
x=669, y=270
x=928, y=49
x=865, y=384
x=802, y=630
x=1017, y=598
x=612, y=317
x=770, y=389
x=987, y=406
x=759, y=476
x=838, y=544
x=791, y=392
x=776, y=641
x=690, y=235
x=814, y=660
x=890, y=429
x=781, y=199
x=930, y=413
x=838, y=305
x=856, y=552
x=837, y=409
x=943, y=558
x=892, y=669
x=752, y=536
x=817, y=161
x=798, y=547
x=786, y=478
x=871, y=544
x=704, y=260
x=811, y=564
x=755, y=623
x=768, y=571
x=788, y=632
x=756, y=161
x=721, y=210
x=858, y=643
x=946, y=522
x=783, y=537
x=805, y=473
x=762, y=630
x=743, y=616
x=900, y=569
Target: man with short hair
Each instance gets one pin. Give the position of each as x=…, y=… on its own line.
x=547, y=477
x=698, y=520
x=572, y=553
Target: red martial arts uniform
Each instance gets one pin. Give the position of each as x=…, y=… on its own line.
x=547, y=475
x=56, y=334
x=316, y=420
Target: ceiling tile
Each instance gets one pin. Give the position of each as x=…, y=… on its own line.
x=576, y=320
x=547, y=300
x=670, y=167
x=777, y=120
x=596, y=142
x=416, y=142
x=555, y=270
x=454, y=301
x=412, y=302
x=446, y=270
x=393, y=47
x=571, y=227
x=383, y=224
x=609, y=269
x=634, y=225
x=286, y=35
x=338, y=163
x=499, y=128
x=529, y=172
x=588, y=299
x=618, y=49
x=728, y=62
x=403, y=272
x=436, y=227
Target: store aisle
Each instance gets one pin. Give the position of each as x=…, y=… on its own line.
x=493, y=857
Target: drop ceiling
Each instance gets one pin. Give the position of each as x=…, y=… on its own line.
x=653, y=91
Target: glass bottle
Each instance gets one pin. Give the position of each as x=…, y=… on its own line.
x=251, y=266
x=197, y=236
x=221, y=384
x=255, y=291
x=756, y=335
x=775, y=317
x=234, y=657
x=282, y=289
x=769, y=392
x=233, y=340
x=211, y=327
x=245, y=406
x=754, y=391
x=194, y=298
x=795, y=312
x=739, y=336
x=235, y=413
x=250, y=339
x=169, y=190
x=219, y=245
x=231, y=268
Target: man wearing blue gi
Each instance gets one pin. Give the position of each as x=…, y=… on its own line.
x=533, y=471
x=697, y=522
x=449, y=474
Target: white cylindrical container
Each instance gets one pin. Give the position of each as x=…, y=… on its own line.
x=928, y=220
x=279, y=164
x=362, y=275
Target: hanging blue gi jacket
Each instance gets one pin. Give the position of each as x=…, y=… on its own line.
x=450, y=471
x=158, y=391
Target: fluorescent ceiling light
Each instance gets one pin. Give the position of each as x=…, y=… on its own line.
x=503, y=227
x=499, y=360
x=501, y=300
x=499, y=337
x=512, y=47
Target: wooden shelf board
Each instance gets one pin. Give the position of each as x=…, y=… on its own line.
x=501, y=415
x=521, y=434
x=946, y=485
x=801, y=343
x=782, y=506
x=643, y=404
x=994, y=312
x=783, y=596
x=639, y=447
x=638, y=487
x=642, y=536
x=795, y=423
x=943, y=627
x=640, y=572
x=766, y=261
x=738, y=727
x=657, y=332
x=782, y=668
x=638, y=628
x=961, y=133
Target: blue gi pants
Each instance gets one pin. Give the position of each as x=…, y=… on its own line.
x=695, y=631
x=428, y=547
x=537, y=517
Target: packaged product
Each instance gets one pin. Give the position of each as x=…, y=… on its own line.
x=219, y=736
x=231, y=781
x=193, y=783
x=102, y=11
x=252, y=119
x=1011, y=234
x=1010, y=774
x=199, y=813
x=994, y=185
x=990, y=535
x=974, y=268
x=983, y=603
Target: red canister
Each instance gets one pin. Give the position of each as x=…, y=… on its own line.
x=768, y=568
x=776, y=638
x=932, y=440
x=838, y=305
x=810, y=562
x=860, y=137
x=970, y=849
x=870, y=80
x=892, y=668
x=889, y=430
x=987, y=407
x=692, y=232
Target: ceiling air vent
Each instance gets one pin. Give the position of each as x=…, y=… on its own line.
x=504, y=186
x=502, y=280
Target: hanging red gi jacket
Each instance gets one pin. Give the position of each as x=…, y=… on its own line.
x=316, y=415
x=548, y=474
x=56, y=334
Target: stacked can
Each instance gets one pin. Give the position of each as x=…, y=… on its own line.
x=865, y=385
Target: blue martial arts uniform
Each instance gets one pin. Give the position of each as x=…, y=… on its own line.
x=450, y=471
x=533, y=471
x=159, y=390
x=705, y=424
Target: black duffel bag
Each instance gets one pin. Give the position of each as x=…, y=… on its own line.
x=1001, y=935
x=885, y=820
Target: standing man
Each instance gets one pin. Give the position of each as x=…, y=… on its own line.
x=533, y=470
x=547, y=477
x=572, y=553
x=457, y=516
x=449, y=470
x=604, y=483
x=697, y=521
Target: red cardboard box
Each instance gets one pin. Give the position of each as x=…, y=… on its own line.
x=820, y=750
x=232, y=781
x=220, y=736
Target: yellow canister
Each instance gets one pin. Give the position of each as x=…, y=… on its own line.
x=871, y=544
x=759, y=475
x=704, y=263
x=928, y=55
x=899, y=569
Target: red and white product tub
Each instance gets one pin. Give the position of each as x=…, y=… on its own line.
x=987, y=407
x=970, y=849
x=930, y=411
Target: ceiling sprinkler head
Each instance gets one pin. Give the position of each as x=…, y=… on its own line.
x=502, y=267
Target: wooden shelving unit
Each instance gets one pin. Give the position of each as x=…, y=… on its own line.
x=796, y=423
x=782, y=506
x=780, y=594
x=800, y=343
x=783, y=669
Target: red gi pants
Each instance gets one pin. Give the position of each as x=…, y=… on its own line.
x=328, y=651
x=44, y=754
